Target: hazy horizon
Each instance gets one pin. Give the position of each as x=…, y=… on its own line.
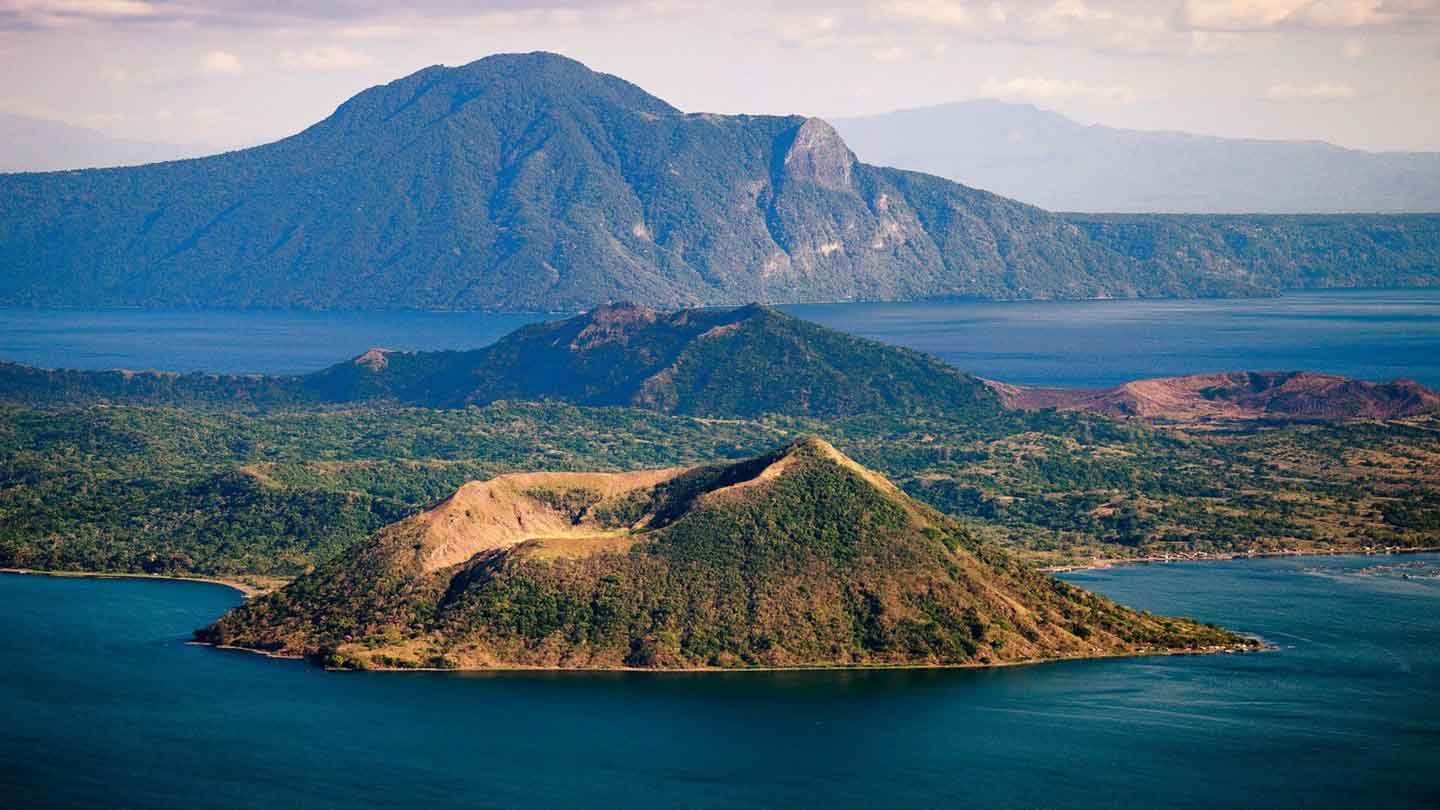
x=1358, y=73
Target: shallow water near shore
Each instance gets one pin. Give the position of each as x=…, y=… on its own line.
x=106, y=705
x=1367, y=334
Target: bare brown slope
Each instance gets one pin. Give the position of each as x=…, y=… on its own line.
x=503, y=512
x=798, y=558
x=1235, y=395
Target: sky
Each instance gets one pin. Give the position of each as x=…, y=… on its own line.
x=225, y=73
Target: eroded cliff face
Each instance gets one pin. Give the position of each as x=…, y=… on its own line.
x=818, y=155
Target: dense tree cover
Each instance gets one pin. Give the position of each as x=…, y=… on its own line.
x=528, y=182
x=1281, y=252
x=224, y=492
x=165, y=490
x=729, y=363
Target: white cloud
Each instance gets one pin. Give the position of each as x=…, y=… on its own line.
x=221, y=63
x=1071, y=10
x=325, y=58
x=1321, y=91
x=1238, y=15
x=931, y=12
x=1254, y=15
x=823, y=30
x=892, y=53
x=1040, y=88
x=375, y=32
x=54, y=13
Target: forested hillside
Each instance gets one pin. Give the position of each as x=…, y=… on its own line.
x=529, y=182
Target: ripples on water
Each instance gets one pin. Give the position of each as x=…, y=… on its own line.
x=104, y=704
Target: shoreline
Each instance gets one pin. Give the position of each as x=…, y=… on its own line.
x=247, y=590
x=1257, y=645
x=1225, y=556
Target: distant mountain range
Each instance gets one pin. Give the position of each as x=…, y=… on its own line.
x=1052, y=161
x=529, y=182
x=38, y=145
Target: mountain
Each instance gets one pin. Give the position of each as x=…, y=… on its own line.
x=708, y=362
x=737, y=363
x=1236, y=395
x=1052, y=161
x=797, y=558
x=529, y=182
x=38, y=145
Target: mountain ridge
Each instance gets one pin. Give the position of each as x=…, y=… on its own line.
x=42, y=145
x=1047, y=159
x=528, y=182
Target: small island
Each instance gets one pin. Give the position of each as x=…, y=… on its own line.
x=797, y=558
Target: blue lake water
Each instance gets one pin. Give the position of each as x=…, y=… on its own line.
x=1376, y=335
x=103, y=704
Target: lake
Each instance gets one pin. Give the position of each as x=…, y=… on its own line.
x=1369, y=334
x=105, y=705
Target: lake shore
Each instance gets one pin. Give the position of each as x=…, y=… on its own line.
x=1202, y=556
x=1253, y=644
x=251, y=588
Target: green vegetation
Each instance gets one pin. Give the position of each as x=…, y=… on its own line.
x=161, y=490
x=721, y=363
x=269, y=476
x=1282, y=252
x=798, y=557
x=220, y=492
x=530, y=183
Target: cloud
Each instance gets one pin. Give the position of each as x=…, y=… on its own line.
x=326, y=58
x=1353, y=49
x=221, y=63
x=1066, y=10
x=930, y=12
x=1322, y=91
x=65, y=12
x=41, y=14
x=1040, y=88
x=1112, y=29
x=1257, y=15
x=893, y=53
x=375, y=32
